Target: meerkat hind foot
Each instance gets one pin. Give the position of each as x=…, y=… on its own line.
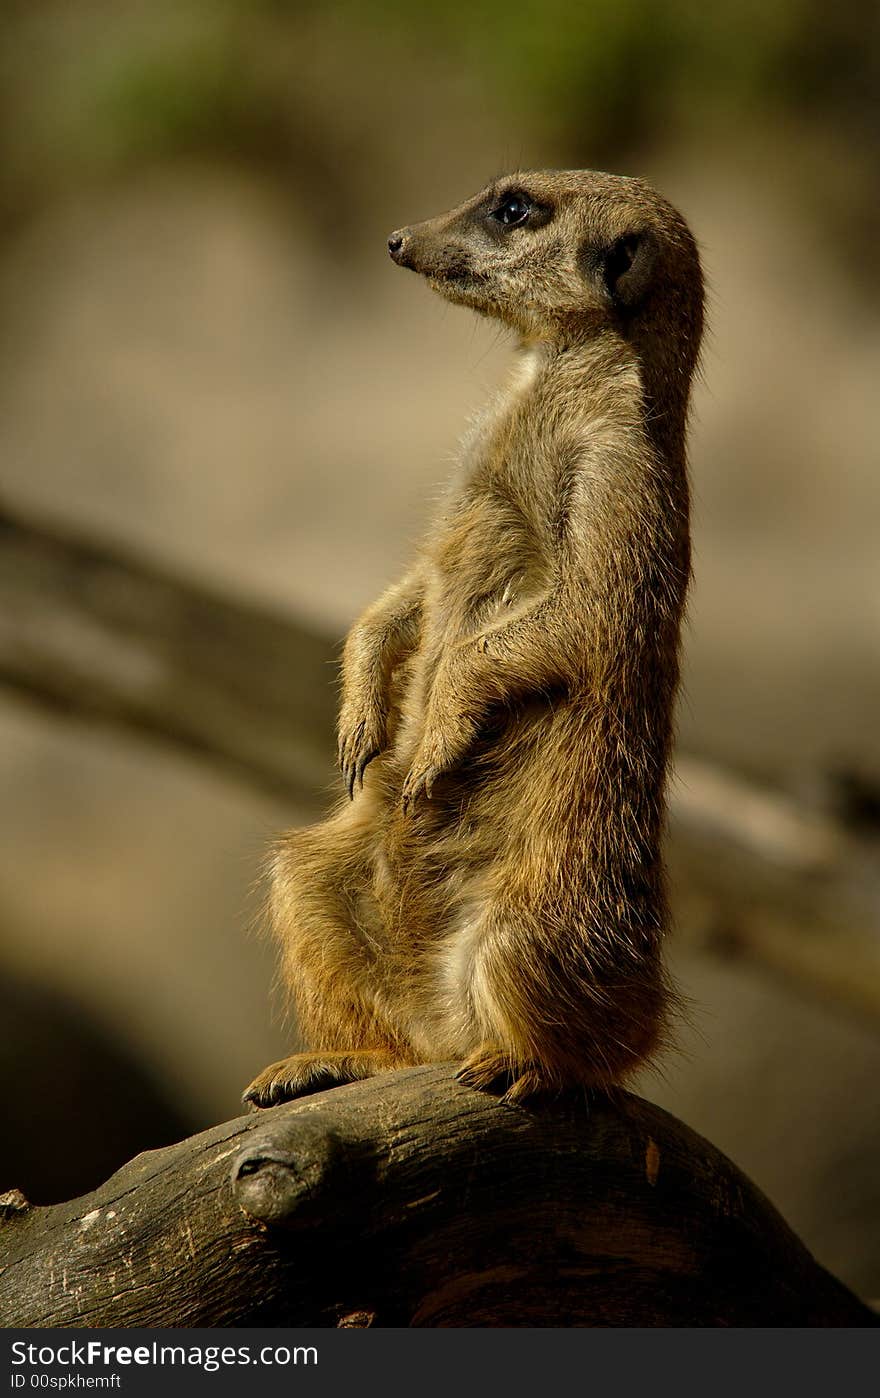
x=492, y=1070
x=302, y=1074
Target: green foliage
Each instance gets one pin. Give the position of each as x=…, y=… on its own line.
x=612, y=65
x=153, y=100
x=90, y=86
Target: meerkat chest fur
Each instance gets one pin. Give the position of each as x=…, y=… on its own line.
x=492, y=546
x=565, y=434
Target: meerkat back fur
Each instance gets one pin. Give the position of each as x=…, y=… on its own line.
x=490, y=888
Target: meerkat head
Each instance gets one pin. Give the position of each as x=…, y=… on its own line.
x=562, y=253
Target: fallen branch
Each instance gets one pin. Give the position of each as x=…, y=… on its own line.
x=95, y=634
x=411, y=1200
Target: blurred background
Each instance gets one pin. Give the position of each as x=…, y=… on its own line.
x=208, y=363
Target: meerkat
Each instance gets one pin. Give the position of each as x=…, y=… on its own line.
x=490, y=889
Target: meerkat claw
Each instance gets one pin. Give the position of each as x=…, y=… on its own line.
x=419, y=784
x=362, y=766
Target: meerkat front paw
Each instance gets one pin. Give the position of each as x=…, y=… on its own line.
x=419, y=782
x=362, y=736
x=305, y=1073
x=439, y=751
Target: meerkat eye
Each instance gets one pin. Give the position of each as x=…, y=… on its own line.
x=513, y=209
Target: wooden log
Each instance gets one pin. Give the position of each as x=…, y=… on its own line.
x=409, y=1200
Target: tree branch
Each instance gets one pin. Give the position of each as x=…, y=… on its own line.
x=411, y=1200
x=101, y=636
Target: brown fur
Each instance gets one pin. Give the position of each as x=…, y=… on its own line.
x=494, y=892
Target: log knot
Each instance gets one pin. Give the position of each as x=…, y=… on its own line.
x=287, y=1171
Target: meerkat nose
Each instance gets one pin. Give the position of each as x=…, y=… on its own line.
x=395, y=245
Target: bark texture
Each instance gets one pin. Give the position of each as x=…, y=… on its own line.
x=409, y=1200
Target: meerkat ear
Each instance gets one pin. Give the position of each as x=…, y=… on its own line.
x=627, y=266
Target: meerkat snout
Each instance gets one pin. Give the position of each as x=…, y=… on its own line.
x=562, y=255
